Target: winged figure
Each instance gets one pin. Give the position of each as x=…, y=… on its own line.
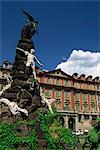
x=31, y=28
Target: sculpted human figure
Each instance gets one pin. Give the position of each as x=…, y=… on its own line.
x=13, y=107
x=27, y=32
x=31, y=58
x=46, y=101
x=9, y=81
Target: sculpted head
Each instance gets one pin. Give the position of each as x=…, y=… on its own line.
x=32, y=51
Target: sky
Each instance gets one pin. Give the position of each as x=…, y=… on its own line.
x=67, y=31
x=82, y=62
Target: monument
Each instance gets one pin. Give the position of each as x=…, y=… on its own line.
x=22, y=100
x=22, y=95
x=20, y=90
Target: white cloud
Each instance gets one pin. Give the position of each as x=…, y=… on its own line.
x=82, y=62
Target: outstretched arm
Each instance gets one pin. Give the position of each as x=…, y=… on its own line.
x=38, y=61
x=5, y=101
x=22, y=50
x=23, y=110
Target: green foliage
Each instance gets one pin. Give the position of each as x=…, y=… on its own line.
x=93, y=136
x=98, y=120
x=68, y=138
x=9, y=140
x=55, y=134
x=7, y=136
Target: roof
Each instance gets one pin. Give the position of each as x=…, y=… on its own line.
x=63, y=74
x=52, y=72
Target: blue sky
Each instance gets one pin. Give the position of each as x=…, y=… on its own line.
x=63, y=26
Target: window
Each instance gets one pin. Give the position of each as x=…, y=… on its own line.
x=91, y=87
x=85, y=102
x=98, y=87
x=76, y=84
x=48, y=93
x=67, y=95
x=48, y=80
x=67, y=83
x=58, y=73
x=58, y=100
x=67, y=101
x=98, y=96
x=67, y=105
x=92, y=97
x=57, y=104
x=58, y=94
x=58, y=81
x=77, y=101
x=93, y=104
x=84, y=86
x=86, y=108
x=85, y=97
x=95, y=87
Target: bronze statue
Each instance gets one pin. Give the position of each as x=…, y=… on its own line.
x=30, y=29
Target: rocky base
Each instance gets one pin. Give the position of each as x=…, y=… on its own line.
x=25, y=126
x=39, y=131
x=27, y=96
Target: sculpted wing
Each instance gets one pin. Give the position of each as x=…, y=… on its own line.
x=28, y=15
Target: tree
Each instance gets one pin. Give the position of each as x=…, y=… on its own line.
x=94, y=136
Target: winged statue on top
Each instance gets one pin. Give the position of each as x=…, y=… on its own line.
x=31, y=28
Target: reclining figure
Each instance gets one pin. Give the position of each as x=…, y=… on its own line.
x=13, y=107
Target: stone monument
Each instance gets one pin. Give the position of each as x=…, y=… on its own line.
x=22, y=101
x=22, y=95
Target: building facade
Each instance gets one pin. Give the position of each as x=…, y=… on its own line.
x=76, y=98
x=5, y=71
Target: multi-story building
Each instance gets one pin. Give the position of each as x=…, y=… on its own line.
x=5, y=71
x=76, y=98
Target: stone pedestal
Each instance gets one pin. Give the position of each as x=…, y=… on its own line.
x=22, y=91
